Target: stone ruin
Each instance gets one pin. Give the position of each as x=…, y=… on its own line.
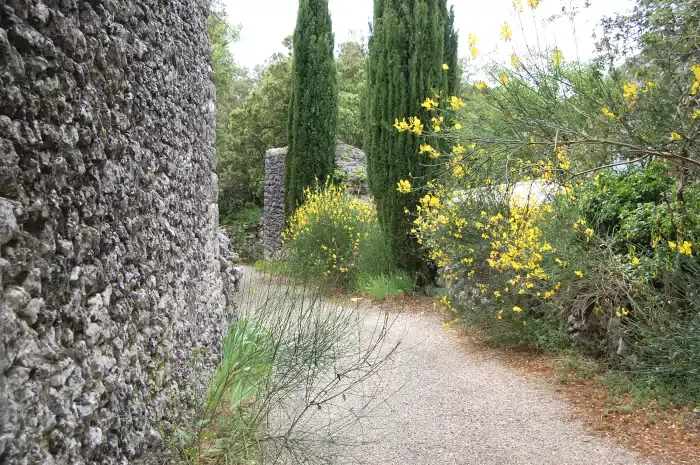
x=350, y=169
x=115, y=285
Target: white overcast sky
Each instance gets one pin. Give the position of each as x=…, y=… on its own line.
x=266, y=22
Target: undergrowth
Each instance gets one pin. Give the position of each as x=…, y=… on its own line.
x=382, y=286
x=291, y=353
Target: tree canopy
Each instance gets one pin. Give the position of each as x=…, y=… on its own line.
x=313, y=109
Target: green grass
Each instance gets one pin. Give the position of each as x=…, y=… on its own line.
x=383, y=286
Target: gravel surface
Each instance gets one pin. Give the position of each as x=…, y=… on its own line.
x=441, y=403
x=451, y=406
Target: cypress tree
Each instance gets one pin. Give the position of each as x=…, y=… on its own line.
x=411, y=41
x=314, y=102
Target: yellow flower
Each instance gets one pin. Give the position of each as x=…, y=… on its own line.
x=506, y=33
x=648, y=87
x=608, y=113
x=533, y=3
x=685, y=248
x=401, y=126
x=403, y=186
x=457, y=149
x=579, y=273
x=425, y=148
x=557, y=56
x=696, y=114
x=672, y=245
x=459, y=171
x=496, y=293
x=472, y=39
x=674, y=136
x=416, y=126
x=517, y=309
x=514, y=60
x=630, y=91
x=458, y=126
x=445, y=66
x=429, y=104
x=621, y=311
x=503, y=79
x=480, y=85
x=517, y=5
x=635, y=260
x=456, y=103
x=473, y=51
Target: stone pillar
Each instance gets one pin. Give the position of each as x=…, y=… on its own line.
x=112, y=305
x=273, y=220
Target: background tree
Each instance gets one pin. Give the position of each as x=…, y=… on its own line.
x=253, y=128
x=314, y=102
x=412, y=55
x=352, y=83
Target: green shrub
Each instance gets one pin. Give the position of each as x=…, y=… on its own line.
x=379, y=287
x=612, y=195
x=524, y=330
x=274, y=374
x=247, y=215
x=335, y=237
x=243, y=223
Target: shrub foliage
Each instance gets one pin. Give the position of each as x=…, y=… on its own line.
x=335, y=236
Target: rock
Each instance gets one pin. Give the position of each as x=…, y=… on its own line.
x=351, y=163
x=111, y=266
x=16, y=298
x=8, y=222
x=31, y=311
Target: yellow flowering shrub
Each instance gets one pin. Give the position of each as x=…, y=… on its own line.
x=334, y=235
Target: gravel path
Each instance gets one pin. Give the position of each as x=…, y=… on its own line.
x=451, y=406
x=444, y=404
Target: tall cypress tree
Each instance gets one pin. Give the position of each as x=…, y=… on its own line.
x=314, y=103
x=411, y=41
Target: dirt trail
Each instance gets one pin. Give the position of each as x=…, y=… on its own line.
x=446, y=404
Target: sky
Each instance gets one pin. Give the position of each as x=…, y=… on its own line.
x=265, y=23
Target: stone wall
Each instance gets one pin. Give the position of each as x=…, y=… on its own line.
x=273, y=212
x=114, y=294
x=350, y=169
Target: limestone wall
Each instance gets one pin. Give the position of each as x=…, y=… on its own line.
x=112, y=302
x=273, y=212
x=351, y=170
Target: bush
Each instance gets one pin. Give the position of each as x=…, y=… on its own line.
x=335, y=237
x=245, y=225
x=609, y=262
x=281, y=363
x=382, y=286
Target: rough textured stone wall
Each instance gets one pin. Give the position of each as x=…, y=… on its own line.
x=113, y=300
x=350, y=167
x=273, y=211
